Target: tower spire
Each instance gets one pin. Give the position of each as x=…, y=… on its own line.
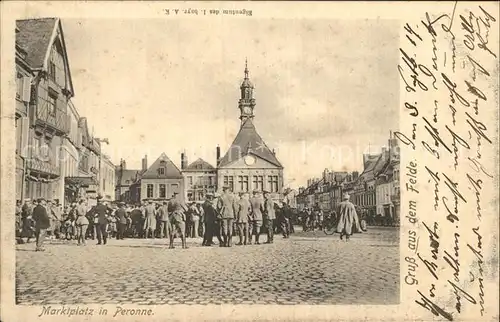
x=246, y=68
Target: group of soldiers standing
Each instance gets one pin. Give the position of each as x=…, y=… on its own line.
x=220, y=215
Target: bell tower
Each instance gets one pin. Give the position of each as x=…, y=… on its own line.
x=246, y=104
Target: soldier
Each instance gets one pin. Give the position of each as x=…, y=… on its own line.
x=81, y=222
x=210, y=218
x=164, y=220
x=269, y=216
x=42, y=223
x=177, y=220
x=100, y=212
x=243, y=209
x=121, y=216
x=150, y=220
x=257, y=207
x=226, y=206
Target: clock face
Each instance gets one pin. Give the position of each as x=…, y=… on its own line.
x=246, y=110
x=249, y=160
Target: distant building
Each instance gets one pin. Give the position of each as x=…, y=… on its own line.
x=124, y=179
x=249, y=164
x=159, y=181
x=200, y=178
x=107, y=179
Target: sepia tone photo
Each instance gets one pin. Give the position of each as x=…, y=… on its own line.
x=249, y=161
x=249, y=175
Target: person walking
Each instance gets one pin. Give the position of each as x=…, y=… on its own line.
x=201, y=228
x=243, y=209
x=27, y=220
x=150, y=220
x=285, y=221
x=121, y=220
x=177, y=221
x=42, y=223
x=269, y=216
x=257, y=206
x=226, y=206
x=164, y=220
x=100, y=213
x=347, y=215
x=81, y=222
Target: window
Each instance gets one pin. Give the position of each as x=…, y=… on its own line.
x=229, y=181
x=190, y=180
x=149, y=190
x=161, y=171
x=52, y=71
x=258, y=183
x=104, y=184
x=19, y=85
x=210, y=181
x=19, y=134
x=273, y=183
x=163, y=191
x=243, y=183
x=52, y=105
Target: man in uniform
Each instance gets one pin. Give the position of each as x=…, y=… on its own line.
x=177, y=220
x=164, y=220
x=226, y=206
x=150, y=219
x=121, y=216
x=42, y=223
x=243, y=209
x=257, y=207
x=210, y=217
x=101, y=212
x=269, y=216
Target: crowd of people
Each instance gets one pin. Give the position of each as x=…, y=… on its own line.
x=221, y=216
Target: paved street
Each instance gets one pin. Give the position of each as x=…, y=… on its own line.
x=308, y=268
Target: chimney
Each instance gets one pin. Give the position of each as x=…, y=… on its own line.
x=325, y=174
x=123, y=164
x=355, y=175
x=145, y=163
x=183, y=161
x=217, y=153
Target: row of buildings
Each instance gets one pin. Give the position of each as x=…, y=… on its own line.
x=376, y=190
x=56, y=155
x=248, y=165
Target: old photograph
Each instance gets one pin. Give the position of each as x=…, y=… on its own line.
x=162, y=162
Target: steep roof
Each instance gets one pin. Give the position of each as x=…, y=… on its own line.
x=171, y=170
x=248, y=141
x=35, y=36
x=199, y=165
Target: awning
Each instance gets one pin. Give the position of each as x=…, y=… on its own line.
x=80, y=181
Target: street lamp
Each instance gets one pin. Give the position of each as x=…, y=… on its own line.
x=101, y=140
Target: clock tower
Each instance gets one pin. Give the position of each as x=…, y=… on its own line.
x=246, y=103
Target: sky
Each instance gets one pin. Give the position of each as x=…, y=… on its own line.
x=326, y=90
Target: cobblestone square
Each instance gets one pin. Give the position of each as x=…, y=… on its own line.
x=308, y=268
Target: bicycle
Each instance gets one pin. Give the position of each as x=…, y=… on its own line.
x=330, y=226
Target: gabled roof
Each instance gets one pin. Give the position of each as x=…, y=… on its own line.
x=171, y=170
x=125, y=175
x=248, y=141
x=199, y=165
x=36, y=37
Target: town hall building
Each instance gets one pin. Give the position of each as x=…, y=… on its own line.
x=249, y=164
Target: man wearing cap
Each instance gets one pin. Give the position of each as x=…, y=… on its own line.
x=210, y=216
x=257, y=206
x=81, y=222
x=269, y=216
x=150, y=220
x=347, y=217
x=121, y=218
x=164, y=224
x=226, y=206
x=42, y=223
x=100, y=212
x=243, y=209
x=177, y=220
